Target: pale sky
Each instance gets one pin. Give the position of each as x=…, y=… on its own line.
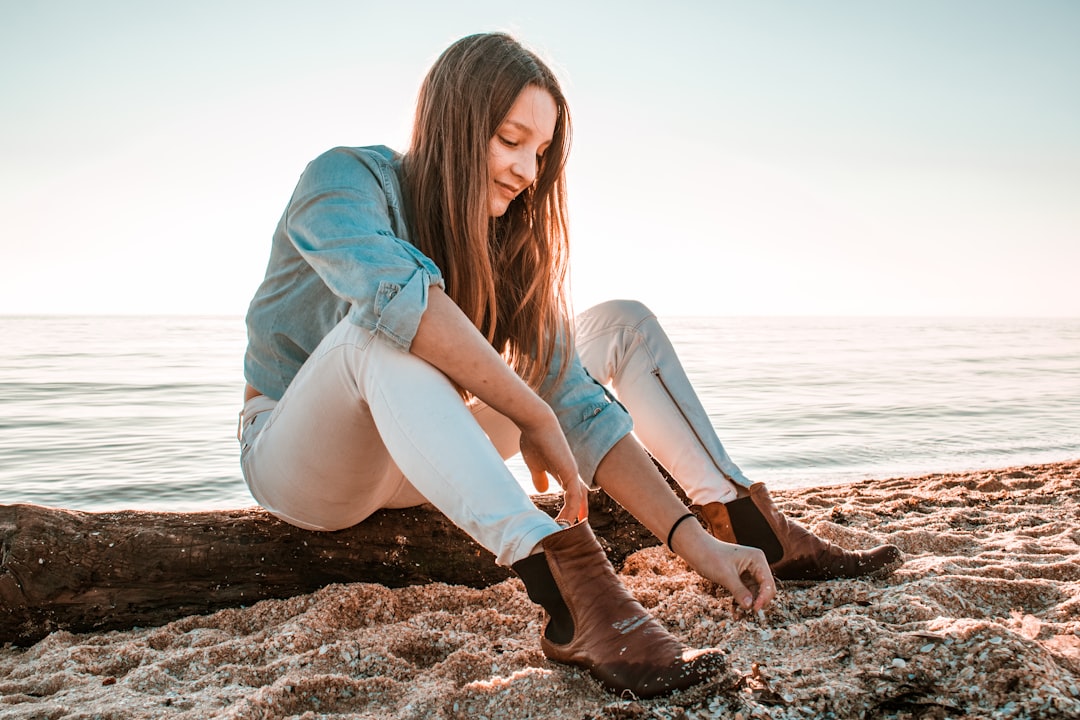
x=917, y=157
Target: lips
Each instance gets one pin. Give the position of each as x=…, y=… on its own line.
x=507, y=190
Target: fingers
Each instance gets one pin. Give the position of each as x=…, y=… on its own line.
x=537, y=469
x=581, y=499
x=544, y=459
x=575, y=503
x=742, y=594
x=539, y=480
x=566, y=517
x=570, y=513
x=766, y=594
x=745, y=573
x=766, y=584
x=755, y=570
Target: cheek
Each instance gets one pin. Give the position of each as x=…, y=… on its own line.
x=493, y=158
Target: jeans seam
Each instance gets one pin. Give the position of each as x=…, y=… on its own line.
x=674, y=401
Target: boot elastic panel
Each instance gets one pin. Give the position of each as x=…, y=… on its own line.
x=542, y=589
x=753, y=529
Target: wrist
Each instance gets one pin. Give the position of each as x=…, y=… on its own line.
x=532, y=413
x=688, y=517
x=691, y=541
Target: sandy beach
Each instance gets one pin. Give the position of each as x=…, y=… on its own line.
x=983, y=621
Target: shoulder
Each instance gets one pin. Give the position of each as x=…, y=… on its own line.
x=353, y=167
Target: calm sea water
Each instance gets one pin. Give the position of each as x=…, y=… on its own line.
x=101, y=413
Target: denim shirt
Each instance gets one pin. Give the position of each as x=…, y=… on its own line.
x=341, y=249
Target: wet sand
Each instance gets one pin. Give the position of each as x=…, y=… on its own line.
x=983, y=621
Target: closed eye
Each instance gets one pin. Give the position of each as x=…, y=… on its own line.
x=508, y=143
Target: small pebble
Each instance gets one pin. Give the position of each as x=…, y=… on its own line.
x=899, y=663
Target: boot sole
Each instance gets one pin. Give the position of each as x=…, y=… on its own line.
x=882, y=572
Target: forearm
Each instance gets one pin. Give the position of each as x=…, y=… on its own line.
x=630, y=477
x=447, y=339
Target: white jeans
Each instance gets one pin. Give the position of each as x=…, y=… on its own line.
x=364, y=426
x=357, y=420
x=623, y=346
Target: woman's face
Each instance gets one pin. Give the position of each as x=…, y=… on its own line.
x=515, y=150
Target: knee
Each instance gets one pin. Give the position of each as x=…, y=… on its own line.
x=629, y=313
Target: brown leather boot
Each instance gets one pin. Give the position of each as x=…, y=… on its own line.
x=595, y=623
x=793, y=552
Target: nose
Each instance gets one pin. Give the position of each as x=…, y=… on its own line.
x=524, y=167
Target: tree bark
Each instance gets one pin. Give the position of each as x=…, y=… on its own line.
x=91, y=572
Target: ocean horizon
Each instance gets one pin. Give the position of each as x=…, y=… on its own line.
x=139, y=412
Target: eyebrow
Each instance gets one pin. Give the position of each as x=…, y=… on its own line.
x=520, y=126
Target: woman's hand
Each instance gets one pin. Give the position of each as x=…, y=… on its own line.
x=449, y=341
x=545, y=451
x=727, y=565
x=630, y=477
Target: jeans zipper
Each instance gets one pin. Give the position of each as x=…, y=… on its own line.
x=660, y=379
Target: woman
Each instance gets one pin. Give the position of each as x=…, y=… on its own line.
x=411, y=332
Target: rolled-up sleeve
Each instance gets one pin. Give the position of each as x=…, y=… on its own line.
x=591, y=419
x=341, y=222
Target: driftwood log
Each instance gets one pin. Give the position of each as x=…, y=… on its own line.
x=89, y=572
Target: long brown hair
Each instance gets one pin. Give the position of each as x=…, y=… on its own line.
x=507, y=274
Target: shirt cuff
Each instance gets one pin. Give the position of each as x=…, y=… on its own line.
x=591, y=440
x=398, y=308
